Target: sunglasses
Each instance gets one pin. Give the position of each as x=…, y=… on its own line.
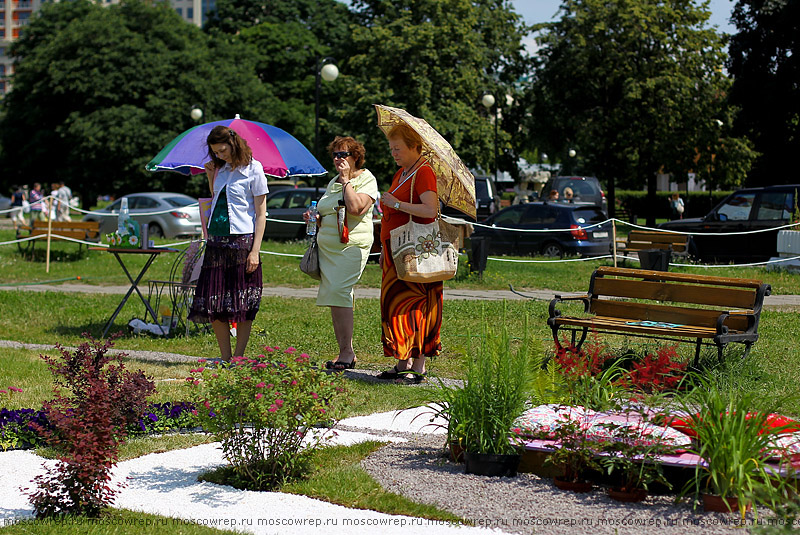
x=341, y=154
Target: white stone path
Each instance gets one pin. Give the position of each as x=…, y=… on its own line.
x=166, y=484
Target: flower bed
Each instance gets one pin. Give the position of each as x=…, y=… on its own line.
x=158, y=418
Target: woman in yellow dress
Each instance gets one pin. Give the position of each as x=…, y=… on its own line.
x=343, y=255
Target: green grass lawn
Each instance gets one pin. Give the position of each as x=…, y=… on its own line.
x=100, y=268
x=772, y=370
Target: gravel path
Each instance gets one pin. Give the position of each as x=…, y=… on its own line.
x=412, y=465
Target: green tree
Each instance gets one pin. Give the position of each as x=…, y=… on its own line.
x=765, y=65
x=636, y=87
x=288, y=37
x=98, y=91
x=434, y=58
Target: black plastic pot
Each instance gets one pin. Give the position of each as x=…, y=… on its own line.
x=488, y=464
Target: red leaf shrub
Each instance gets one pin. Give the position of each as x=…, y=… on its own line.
x=96, y=398
x=588, y=360
x=659, y=372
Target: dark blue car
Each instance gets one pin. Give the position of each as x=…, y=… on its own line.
x=572, y=238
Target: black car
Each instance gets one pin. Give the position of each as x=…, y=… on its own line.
x=572, y=239
x=487, y=202
x=744, y=210
x=289, y=205
x=585, y=189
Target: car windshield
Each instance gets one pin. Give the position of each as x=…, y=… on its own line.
x=177, y=202
x=589, y=214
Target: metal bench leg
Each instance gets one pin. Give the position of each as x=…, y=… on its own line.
x=697, y=354
x=583, y=337
x=747, y=346
x=555, y=338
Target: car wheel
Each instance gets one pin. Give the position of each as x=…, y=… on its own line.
x=155, y=231
x=552, y=249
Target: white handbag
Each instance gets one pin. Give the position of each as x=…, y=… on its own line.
x=425, y=252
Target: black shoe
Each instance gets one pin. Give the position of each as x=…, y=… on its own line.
x=338, y=366
x=411, y=378
x=391, y=375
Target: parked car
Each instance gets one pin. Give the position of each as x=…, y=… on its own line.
x=487, y=201
x=168, y=215
x=277, y=185
x=585, y=189
x=551, y=216
x=744, y=210
x=289, y=205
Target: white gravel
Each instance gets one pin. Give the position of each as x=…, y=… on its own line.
x=412, y=464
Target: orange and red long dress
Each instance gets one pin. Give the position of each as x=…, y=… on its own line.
x=411, y=312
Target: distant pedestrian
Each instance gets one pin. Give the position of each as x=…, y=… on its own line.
x=64, y=196
x=37, y=206
x=676, y=206
x=18, y=201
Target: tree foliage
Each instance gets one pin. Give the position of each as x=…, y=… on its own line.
x=635, y=86
x=765, y=65
x=434, y=58
x=98, y=91
x=288, y=37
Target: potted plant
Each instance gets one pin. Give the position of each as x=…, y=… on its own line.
x=632, y=458
x=497, y=387
x=734, y=445
x=576, y=453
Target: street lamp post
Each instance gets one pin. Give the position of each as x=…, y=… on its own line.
x=488, y=101
x=328, y=71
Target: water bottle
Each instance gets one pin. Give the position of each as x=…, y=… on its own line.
x=122, y=219
x=311, y=226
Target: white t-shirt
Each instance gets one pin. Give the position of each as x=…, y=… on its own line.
x=241, y=185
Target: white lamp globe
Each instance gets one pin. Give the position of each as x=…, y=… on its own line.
x=572, y=153
x=329, y=72
x=488, y=100
x=196, y=114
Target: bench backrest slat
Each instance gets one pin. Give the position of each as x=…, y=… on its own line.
x=92, y=225
x=656, y=237
x=664, y=313
x=56, y=234
x=719, y=296
x=644, y=274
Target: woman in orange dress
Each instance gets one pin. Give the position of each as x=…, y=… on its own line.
x=411, y=312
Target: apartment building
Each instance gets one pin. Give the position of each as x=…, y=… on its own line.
x=15, y=15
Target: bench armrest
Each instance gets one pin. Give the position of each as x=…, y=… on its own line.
x=554, y=312
x=749, y=314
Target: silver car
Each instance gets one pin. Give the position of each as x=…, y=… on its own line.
x=168, y=215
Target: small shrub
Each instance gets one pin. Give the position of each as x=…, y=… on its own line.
x=657, y=373
x=96, y=399
x=262, y=411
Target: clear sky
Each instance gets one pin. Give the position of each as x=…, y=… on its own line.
x=545, y=10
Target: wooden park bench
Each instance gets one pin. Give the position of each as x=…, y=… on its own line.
x=669, y=306
x=77, y=230
x=639, y=240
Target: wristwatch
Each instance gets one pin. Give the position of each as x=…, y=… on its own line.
x=396, y=205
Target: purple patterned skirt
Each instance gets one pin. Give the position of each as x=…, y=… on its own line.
x=225, y=291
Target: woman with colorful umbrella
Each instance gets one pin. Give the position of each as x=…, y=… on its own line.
x=411, y=312
x=229, y=287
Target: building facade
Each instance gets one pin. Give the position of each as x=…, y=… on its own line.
x=16, y=14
